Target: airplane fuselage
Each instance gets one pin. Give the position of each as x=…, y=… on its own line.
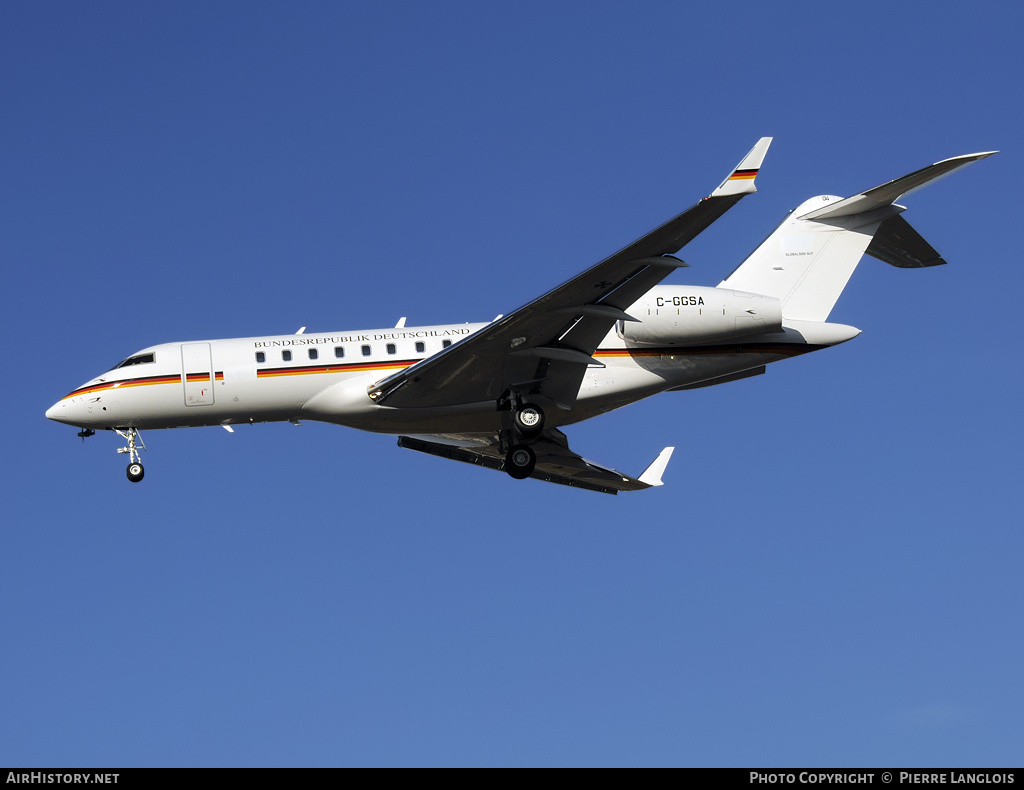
x=326, y=376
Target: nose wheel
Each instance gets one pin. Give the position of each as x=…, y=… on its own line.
x=135, y=470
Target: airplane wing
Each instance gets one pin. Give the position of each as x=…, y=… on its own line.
x=545, y=347
x=556, y=463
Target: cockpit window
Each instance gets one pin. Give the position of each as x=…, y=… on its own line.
x=138, y=359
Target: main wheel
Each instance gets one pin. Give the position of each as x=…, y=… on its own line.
x=520, y=462
x=135, y=472
x=529, y=419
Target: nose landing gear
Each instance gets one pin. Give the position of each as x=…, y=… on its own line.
x=135, y=470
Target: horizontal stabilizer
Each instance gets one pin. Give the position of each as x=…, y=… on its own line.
x=898, y=244
x=890, y=192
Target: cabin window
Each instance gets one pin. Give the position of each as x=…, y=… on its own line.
x=313, y=353
x=391, y=348
x=366, y=351
x=445, y=343
x=339, y=352
x=261, y=357
x=420, y=347
x=286, y=355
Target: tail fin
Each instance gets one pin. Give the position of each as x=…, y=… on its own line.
x=810, y=257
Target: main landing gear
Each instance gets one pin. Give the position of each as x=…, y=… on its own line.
x=527, y=426
x=520, y=462
x=135, y=470
x=529, y=420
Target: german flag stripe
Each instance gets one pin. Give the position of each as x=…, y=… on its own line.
x=144, y=381
x=743, y=175
x=204, y=377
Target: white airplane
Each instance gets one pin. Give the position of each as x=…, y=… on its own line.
x=497, y=394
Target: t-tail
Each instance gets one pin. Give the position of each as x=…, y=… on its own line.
x=808, y=260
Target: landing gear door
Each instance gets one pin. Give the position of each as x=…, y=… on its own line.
x=197, y=374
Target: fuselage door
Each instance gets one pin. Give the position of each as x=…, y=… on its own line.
x=197, y=374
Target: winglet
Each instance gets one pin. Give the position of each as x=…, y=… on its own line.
x=741, y=179
x=652, y=474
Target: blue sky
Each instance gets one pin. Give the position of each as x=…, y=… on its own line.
x=831, y=574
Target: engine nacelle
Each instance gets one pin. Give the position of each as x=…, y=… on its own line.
x=680, y=315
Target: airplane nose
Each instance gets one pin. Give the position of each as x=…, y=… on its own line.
x=57, y=412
